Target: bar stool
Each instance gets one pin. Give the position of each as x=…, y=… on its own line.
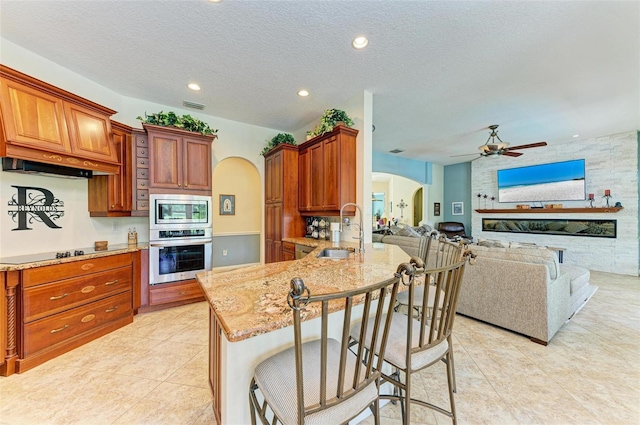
x=322, y=381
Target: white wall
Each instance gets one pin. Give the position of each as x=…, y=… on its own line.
x=78, y=229
x=611, y=162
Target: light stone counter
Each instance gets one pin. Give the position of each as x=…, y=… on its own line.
x=250, y=301
x=248, y=305
x=112, y=250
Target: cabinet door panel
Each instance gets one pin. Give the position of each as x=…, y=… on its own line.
x=33, y=118
x=197, y=164
x=316, y=177
x=90, y=132
x=166, y=154
x=331, y=159
x=304, y=181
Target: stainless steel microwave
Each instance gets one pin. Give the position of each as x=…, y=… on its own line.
x=170, y=211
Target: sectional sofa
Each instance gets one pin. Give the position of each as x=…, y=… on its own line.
x=521, y=288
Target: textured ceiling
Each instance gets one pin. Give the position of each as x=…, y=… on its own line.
x=440, y=71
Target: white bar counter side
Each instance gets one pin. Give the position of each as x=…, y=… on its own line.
x=248, y=307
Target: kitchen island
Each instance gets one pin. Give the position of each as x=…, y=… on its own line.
x=250, y=319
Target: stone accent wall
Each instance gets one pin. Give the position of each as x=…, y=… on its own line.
x=611, y=162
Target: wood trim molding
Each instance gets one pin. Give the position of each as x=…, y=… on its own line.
x=552, y=210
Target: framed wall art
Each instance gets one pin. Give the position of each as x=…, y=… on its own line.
x=457, y=208
x=436, y=208
x=227, y=204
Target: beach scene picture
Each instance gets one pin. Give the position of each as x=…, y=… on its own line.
x=558, y=181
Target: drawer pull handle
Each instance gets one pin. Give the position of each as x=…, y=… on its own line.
x=111, y=282
x=87, y=266
x=59, y=329
x=88, y=318
x=58, y=297
x=142, y=162
x=184, y=293
x=109, y=310
x=87, y=289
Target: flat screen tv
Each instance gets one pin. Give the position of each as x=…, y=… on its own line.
x=558, y=181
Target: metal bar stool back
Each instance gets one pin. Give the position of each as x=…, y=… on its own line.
x=323, y=381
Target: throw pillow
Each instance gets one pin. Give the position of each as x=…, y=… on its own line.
x=555, y=226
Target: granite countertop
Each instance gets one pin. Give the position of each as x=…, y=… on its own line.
x=15, y=263
x=251, y=301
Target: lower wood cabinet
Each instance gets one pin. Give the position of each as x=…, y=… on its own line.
x=175, y=293
x=288, y=251
x=53, y=309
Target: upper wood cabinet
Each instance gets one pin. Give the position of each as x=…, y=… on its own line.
x=327, y=169
x=179, y=160
x=43, y=123
x=111, y=196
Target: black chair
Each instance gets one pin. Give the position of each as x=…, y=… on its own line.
x=453, y=230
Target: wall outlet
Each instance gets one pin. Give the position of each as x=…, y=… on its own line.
x=115, y=226
x=224, y=252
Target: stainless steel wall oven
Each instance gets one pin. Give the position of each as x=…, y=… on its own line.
x=180, y=237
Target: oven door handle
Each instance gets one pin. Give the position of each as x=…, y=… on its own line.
x=181, y=242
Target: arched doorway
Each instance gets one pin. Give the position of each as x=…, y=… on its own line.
x=417, y=207
x=236, y=237
x=390, y=192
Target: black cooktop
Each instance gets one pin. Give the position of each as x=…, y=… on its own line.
x=32, y=258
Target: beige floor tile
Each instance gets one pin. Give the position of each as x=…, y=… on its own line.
x=168, y=404
x=154, y=371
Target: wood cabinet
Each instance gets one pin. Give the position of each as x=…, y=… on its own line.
x=140, y=174
x=282, y=218
x=53, y=309
x=179, y=160
x=289, y=251
x=173, y=294
x=43, y=123
x=327, y=169
x=110, y=195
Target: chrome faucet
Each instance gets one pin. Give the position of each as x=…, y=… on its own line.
x=360, y=228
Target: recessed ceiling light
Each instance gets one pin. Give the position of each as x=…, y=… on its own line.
x=303, y=93
x=193, y=86
x=576, y=135
x=215, y=1
x=360, y=42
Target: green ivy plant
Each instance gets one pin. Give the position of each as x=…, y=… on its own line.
x=185, y=122
x=328, y=121
x=278, y=139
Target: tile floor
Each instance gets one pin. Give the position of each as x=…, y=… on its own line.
x=154, y=371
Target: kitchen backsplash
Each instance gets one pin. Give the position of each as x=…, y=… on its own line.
x=41, y=214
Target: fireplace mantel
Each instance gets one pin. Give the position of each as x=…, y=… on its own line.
x=551, y=210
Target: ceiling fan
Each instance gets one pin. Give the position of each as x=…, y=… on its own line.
x=493, y=147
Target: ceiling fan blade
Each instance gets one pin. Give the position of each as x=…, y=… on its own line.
x=507, y=153
x=530, y=145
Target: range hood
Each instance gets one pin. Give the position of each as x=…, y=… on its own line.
x=31, y=167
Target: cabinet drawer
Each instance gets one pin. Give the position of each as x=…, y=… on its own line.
x=43, y=300
x=288, y=246
x=142, y=206
x=142, y=162
x=142, y=142
x=170, y=292
x=142, y=173
x=142, y=184
x=142, y=152
x=46, y=274
x=46, y=332
x=142, y=194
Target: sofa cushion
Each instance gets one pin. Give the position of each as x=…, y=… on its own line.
x=523, y=254
x=578, y=276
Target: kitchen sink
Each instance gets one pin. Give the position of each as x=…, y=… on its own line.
x=336, y=252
